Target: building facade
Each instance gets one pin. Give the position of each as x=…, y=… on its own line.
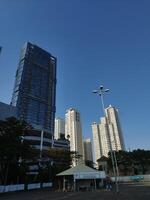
x=59, y=128
x=62, y=144
x=7, y=111
x=88, y=150
x=35, y=88
x=73, y=132
x=107, y=132
x=116, y=135
x=96, y=143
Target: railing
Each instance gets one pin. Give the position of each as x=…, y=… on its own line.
x=132, y=178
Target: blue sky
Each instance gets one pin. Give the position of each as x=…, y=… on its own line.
x=96, y=42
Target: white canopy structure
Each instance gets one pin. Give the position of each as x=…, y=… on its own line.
x=83, y=173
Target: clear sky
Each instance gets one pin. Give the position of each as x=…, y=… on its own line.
x=96, y=42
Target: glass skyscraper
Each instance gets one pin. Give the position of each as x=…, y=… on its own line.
x=35, y=87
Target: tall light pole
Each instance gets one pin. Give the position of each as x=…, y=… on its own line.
x=101, y=92
x=41, y=144
x=0, y=49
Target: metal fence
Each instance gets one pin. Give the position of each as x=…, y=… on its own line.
x=132, y=178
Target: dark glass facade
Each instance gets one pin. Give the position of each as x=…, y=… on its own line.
x=7, y=111
x=35, y=87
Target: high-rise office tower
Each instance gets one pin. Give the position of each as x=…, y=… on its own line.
x=59, y=128
x=35, y=88
x=107, y=132
x=88, y=150
x=73, y=132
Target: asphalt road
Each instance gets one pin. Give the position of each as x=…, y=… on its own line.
x=136, y=191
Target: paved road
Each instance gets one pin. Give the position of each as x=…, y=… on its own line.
x=136, y=191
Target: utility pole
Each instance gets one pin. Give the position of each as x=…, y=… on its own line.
x=101, y=92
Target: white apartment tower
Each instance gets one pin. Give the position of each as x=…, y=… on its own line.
x=88, y=150
x=107, y=132
x=73, y=131
x=96, y=142
x=115, y=130
x=59, y=128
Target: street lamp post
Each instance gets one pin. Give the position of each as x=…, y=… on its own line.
x=116, y=164
x=101, y=92
x=41, y=144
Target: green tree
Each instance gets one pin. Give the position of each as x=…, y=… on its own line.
x=13, y=149
x=133, y=162
x=141, y=159
x=52, y=162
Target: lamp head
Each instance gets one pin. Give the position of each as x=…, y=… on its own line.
x=95, y=91
x=101, y=87
x=107, y=90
